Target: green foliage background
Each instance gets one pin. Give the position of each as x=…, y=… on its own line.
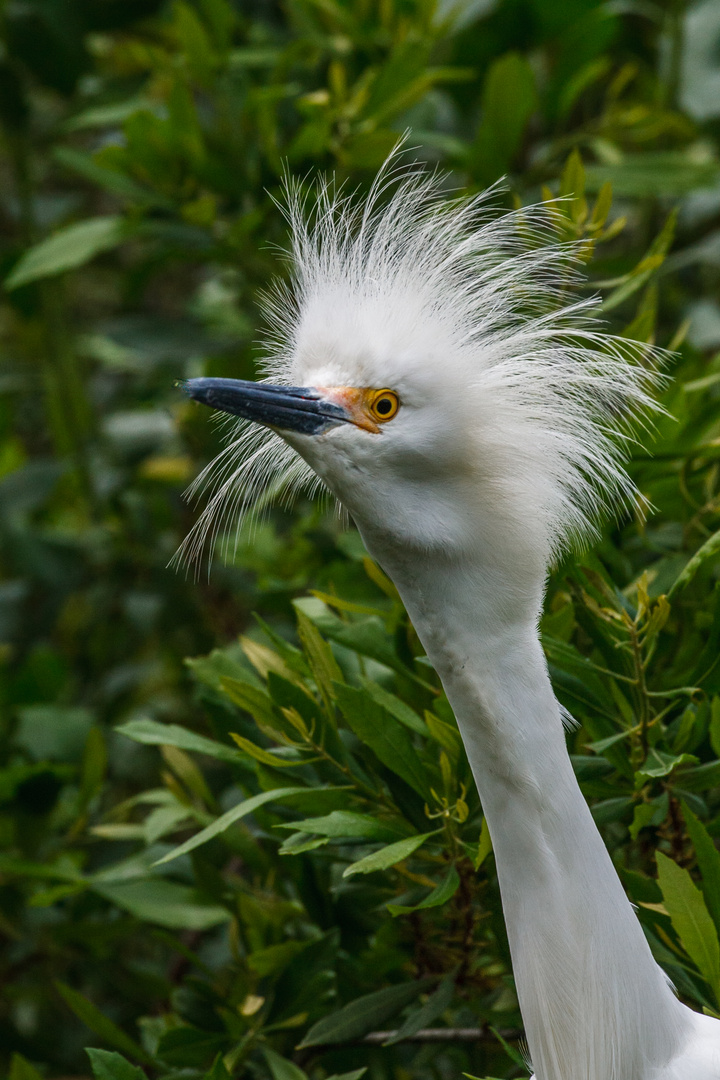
x=248, y=863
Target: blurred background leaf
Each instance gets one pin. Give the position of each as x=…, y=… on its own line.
x=165, y=889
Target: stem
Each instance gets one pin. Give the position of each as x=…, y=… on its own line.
x=676, y=37
x=642, y=691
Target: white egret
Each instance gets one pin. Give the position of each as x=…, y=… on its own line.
x=428, y=368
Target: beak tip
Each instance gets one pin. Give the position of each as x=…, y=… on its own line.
x=196, y=389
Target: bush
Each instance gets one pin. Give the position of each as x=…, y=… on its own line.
x=263, y=861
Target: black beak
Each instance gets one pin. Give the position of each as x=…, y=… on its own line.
x=290, y=408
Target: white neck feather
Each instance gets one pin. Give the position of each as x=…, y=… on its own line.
x=595, y=1004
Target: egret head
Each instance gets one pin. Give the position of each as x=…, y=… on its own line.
x=430, y=366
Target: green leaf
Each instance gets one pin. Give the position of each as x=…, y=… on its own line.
x=388, y=856
x=509, y=99
x=164, y=903
x=320, y=658
x=611, y=809
x=715, y=725
x=406, y=63
x=445, y=734
x=511, y=1052
x=659, y=764
x=188, y=1046
x=281, y=1068
x=105, y=115
x=218, y=1070
x=298, y=843
x=107, y=1065
x=439, y=895
x=435, y=1006
x=708, y=859
x=229, y=818
x=654, y=173
x=709, y=549
x=364, y=1014
x=266, y=757
x=572, y=180
x=101, y=1025
x=264, y=659
x=643, y=816
x=152, y=733
x=699, y=777
x=356, y=1074
x=274, y=957
x=248, y=697
x=384, y=735
x=342, y=824
x=53, y=732
x=396, y=707
x=117, y=183
x=644, y=270
x=690, y=918
x=309, y=973
x=67, y=249
x=289, y=695
x=94, y=766
x=369, y=637
x=210, y=670
x=21, y=1069
x=484, y=846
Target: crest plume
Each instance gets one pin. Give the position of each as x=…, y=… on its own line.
x=496, y=293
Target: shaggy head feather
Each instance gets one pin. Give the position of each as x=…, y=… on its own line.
x=458, y=304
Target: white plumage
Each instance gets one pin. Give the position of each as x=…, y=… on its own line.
x=514, y=412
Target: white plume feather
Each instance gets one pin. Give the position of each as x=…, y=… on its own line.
x=430, y=287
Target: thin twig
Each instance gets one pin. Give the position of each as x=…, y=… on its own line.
x=441, y=1035
x=425, y=1035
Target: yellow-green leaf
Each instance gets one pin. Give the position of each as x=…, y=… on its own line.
x=388, y=856
x=266, y=757
x=320, y=658
x=691, y=919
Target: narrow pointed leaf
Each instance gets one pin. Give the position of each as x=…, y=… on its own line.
x=281, y=1068
x=248, y=697
x=439, y=895
x=226, y=820
x=165, y=903
x=396, y=707
x=100, y=1024
x=320, y=657
x=709, y=549
x=384, y=735
x=364, y=1014
x=435, y=1006
x=66, y=249
x=342, y=824
x=387, y=856
x=153, y=733
x=265, y=757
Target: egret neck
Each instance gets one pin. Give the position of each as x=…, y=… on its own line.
x=595, y=1004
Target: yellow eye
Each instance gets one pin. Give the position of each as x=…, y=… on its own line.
x=383, y=405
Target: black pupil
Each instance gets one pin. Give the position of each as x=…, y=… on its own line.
x=384, y=406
